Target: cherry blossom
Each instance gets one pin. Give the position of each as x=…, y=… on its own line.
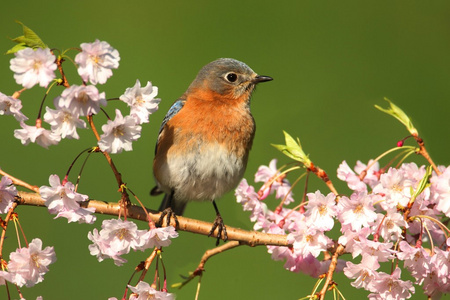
x=96, y=61
x=157, y=237
x=143, y=291
x=27, y=266
x=11, y=106
x=62, y=200
x=119, y=134
x=7, y=194
x=141, y=100
x=81, y=100
x=64, y=122
x=273, y=182
x=31, y=67
x=38, y=135
x=115, y=238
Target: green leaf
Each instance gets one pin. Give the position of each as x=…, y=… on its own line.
x=400, y=115
x=16, y=48
x=293, y=149
x=423, y=184
x=29, y=39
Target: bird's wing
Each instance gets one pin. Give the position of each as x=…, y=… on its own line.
x=174, y=109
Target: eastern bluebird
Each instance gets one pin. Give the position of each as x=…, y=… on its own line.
x=205, y=138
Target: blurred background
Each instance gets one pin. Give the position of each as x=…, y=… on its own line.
x=331, y=63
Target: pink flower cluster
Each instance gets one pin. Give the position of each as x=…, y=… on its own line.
x=27, y=266
x=118, y=237
x=62, y=200
x=95, y=63
x=390, y=217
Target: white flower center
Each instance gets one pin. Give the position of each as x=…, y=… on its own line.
x=119, y=131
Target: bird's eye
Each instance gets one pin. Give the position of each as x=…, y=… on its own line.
x=231, y=77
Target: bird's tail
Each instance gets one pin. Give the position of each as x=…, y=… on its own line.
x=177, y=206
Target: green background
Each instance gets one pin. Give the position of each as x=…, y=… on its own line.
x=331, y=62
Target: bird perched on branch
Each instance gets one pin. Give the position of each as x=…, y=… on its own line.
x=205, y=138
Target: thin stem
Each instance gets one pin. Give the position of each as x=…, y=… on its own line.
x=6, y=222
x=117, y=175
x=148, y=263
x=43, y=100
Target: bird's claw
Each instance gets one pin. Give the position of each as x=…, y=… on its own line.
x=221, y=229
x=168, y=214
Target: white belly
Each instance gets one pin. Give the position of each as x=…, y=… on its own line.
x=205, y=174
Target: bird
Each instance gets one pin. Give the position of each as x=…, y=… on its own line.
x=205, y=138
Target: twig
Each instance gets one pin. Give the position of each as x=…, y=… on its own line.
x=334, y=260
x=6, y=221
x=425, y=154
x=19, y=182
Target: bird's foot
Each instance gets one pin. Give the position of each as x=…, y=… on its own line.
x=168, y=214
x=221, y=229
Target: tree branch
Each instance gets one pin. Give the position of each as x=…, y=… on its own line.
x=250, y=238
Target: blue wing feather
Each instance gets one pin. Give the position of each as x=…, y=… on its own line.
x=174, y=109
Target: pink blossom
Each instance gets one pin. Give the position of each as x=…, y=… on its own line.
x=246, y=195
x=357, y=211
x=5, y=276
x=119, y=134
x=39, y=135
x=350, y=238
x=345, y=173
x=308, y=240
x=143, y=291
x=116, y=238
x=381, y=251
x=27, y=266
x=7, y=194
x=157, y=237
x=390, y=287
x=390, y=225
x=64, y=122
x=81, y=100
x=31, y=67
x=96, y=61
x=396, y=187
x=321, y=210
x=141, y=100
x=64, y=201
x=363, y=273
x=281, y=185
x=11, y=106
x=440, y=189
x=372, y=176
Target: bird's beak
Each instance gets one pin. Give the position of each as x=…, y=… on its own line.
x=261, y=78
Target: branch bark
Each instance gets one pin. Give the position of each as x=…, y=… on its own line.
x=250, y=238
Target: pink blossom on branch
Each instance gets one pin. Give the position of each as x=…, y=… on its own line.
x=116, y=238
x=143, y=291
x=64, y=122
x=142, y=101
x=38, y=135
x=273, y=182
x=62, y=200
x=119, y=134
x=31, y=67
x=7, y=193
x=81, y=100
x=11, y=106
x=96, y=61
x=27, y=266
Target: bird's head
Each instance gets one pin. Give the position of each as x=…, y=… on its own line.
x=227, y=78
